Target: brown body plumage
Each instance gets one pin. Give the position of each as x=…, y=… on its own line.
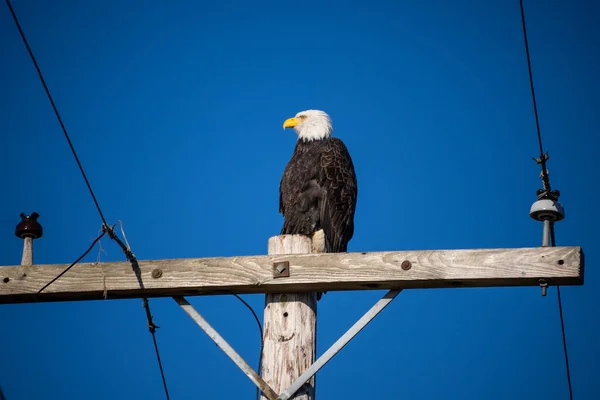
x=318, y=190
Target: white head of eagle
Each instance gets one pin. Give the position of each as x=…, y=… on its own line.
x=310, y=125
x=318, y=189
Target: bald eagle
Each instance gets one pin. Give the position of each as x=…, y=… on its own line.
x=318, y=189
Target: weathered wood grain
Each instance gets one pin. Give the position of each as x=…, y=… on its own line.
x=27, y=258
x=309, y=272
x=290, y=328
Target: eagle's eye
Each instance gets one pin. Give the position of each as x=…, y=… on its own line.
x=302, y=116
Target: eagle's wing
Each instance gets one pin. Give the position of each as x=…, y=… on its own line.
x=338, y=204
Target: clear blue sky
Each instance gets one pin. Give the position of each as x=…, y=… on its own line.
x=176, y=111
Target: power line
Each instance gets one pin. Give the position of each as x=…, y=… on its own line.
x=62, y=125
x=152, y=327
x=564, y=338
x=546, y=193
x=562, y=322
x=105, y=227
x=543, y=157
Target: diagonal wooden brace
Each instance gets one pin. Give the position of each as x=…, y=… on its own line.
x=314, y=368
x=339, y=344
x=231, y=353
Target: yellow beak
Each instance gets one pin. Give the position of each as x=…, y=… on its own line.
x=290, y=123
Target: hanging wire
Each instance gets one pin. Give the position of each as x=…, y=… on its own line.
x=105, y=227
x=562, y=322
x=546, y=192
x=262, y=342
x=62, y=125
x=152, y=327
x=543, y=157
x=74, y=262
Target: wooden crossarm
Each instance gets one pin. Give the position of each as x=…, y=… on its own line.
x=309, y=272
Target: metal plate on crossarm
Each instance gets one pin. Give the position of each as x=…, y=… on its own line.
x=281, y=269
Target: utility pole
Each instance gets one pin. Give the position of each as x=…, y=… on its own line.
x=290, y=325
x=289, y=276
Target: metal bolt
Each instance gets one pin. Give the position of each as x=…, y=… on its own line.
x=156, y=273
x=544, y=285
x=406, y=265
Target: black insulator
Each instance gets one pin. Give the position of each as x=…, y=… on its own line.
x=29, y=226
